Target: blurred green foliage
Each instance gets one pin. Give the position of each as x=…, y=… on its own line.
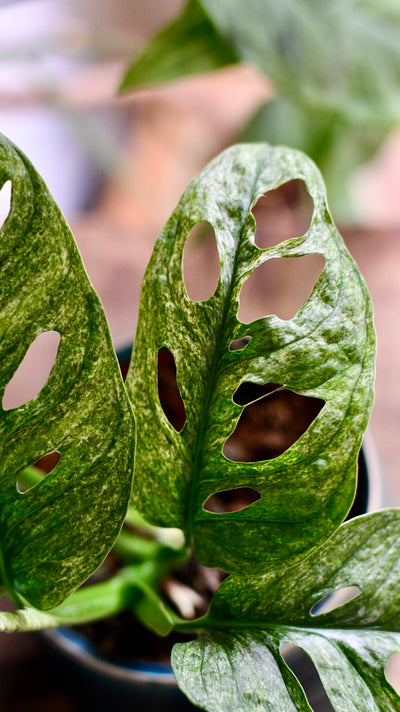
x=335, y=68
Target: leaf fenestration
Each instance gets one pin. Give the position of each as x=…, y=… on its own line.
x=251, y=617
x=53, y=536
x=33, y=371
x=326, y=351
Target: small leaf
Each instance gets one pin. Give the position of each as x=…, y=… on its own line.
x=325, y=352
x=53, y=536
x=190, y=44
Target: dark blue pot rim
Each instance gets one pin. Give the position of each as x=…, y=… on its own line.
x=80, y=650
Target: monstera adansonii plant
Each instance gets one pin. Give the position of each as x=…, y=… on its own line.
x=283, y=553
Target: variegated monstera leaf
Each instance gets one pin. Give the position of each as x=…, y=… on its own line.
x=54, y=534
x=326, y=352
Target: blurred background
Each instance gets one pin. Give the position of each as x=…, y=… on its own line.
x=118, y=103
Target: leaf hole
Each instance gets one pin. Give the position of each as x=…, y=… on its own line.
x=124, y=359
x=306, y=673
x=334, y=600
x=271, y=424
x=360, y=504
x=249, y=392
x=279, y=286
x=283, y=213
x=201, y=268
x=33, y=371
x=239, y=344
x=168, y=390
x=5, y=202
x=233, y=500
x=392, y=672
x=31, y=476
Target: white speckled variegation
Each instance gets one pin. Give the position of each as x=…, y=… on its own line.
x=54, y=535
x=327, y=350
x=236, y=663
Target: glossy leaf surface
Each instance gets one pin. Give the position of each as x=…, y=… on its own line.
x=236, y=663
x=55, y=534
x=325, y=351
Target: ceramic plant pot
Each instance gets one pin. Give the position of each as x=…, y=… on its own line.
x=103, y=684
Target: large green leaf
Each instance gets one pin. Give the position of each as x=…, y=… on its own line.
x=325, y=351
x=53, y=535
x=236, y=663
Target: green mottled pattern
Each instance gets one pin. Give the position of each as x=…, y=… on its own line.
x=239, y=672
x=55, y=534
x=245, y=672
x=364, y=552
x=236, y=662
x=326, y=350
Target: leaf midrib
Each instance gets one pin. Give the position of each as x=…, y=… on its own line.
x=198, y=447
x=197, y=456
x=268, y=625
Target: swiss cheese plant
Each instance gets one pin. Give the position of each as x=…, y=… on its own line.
x=283, y=553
